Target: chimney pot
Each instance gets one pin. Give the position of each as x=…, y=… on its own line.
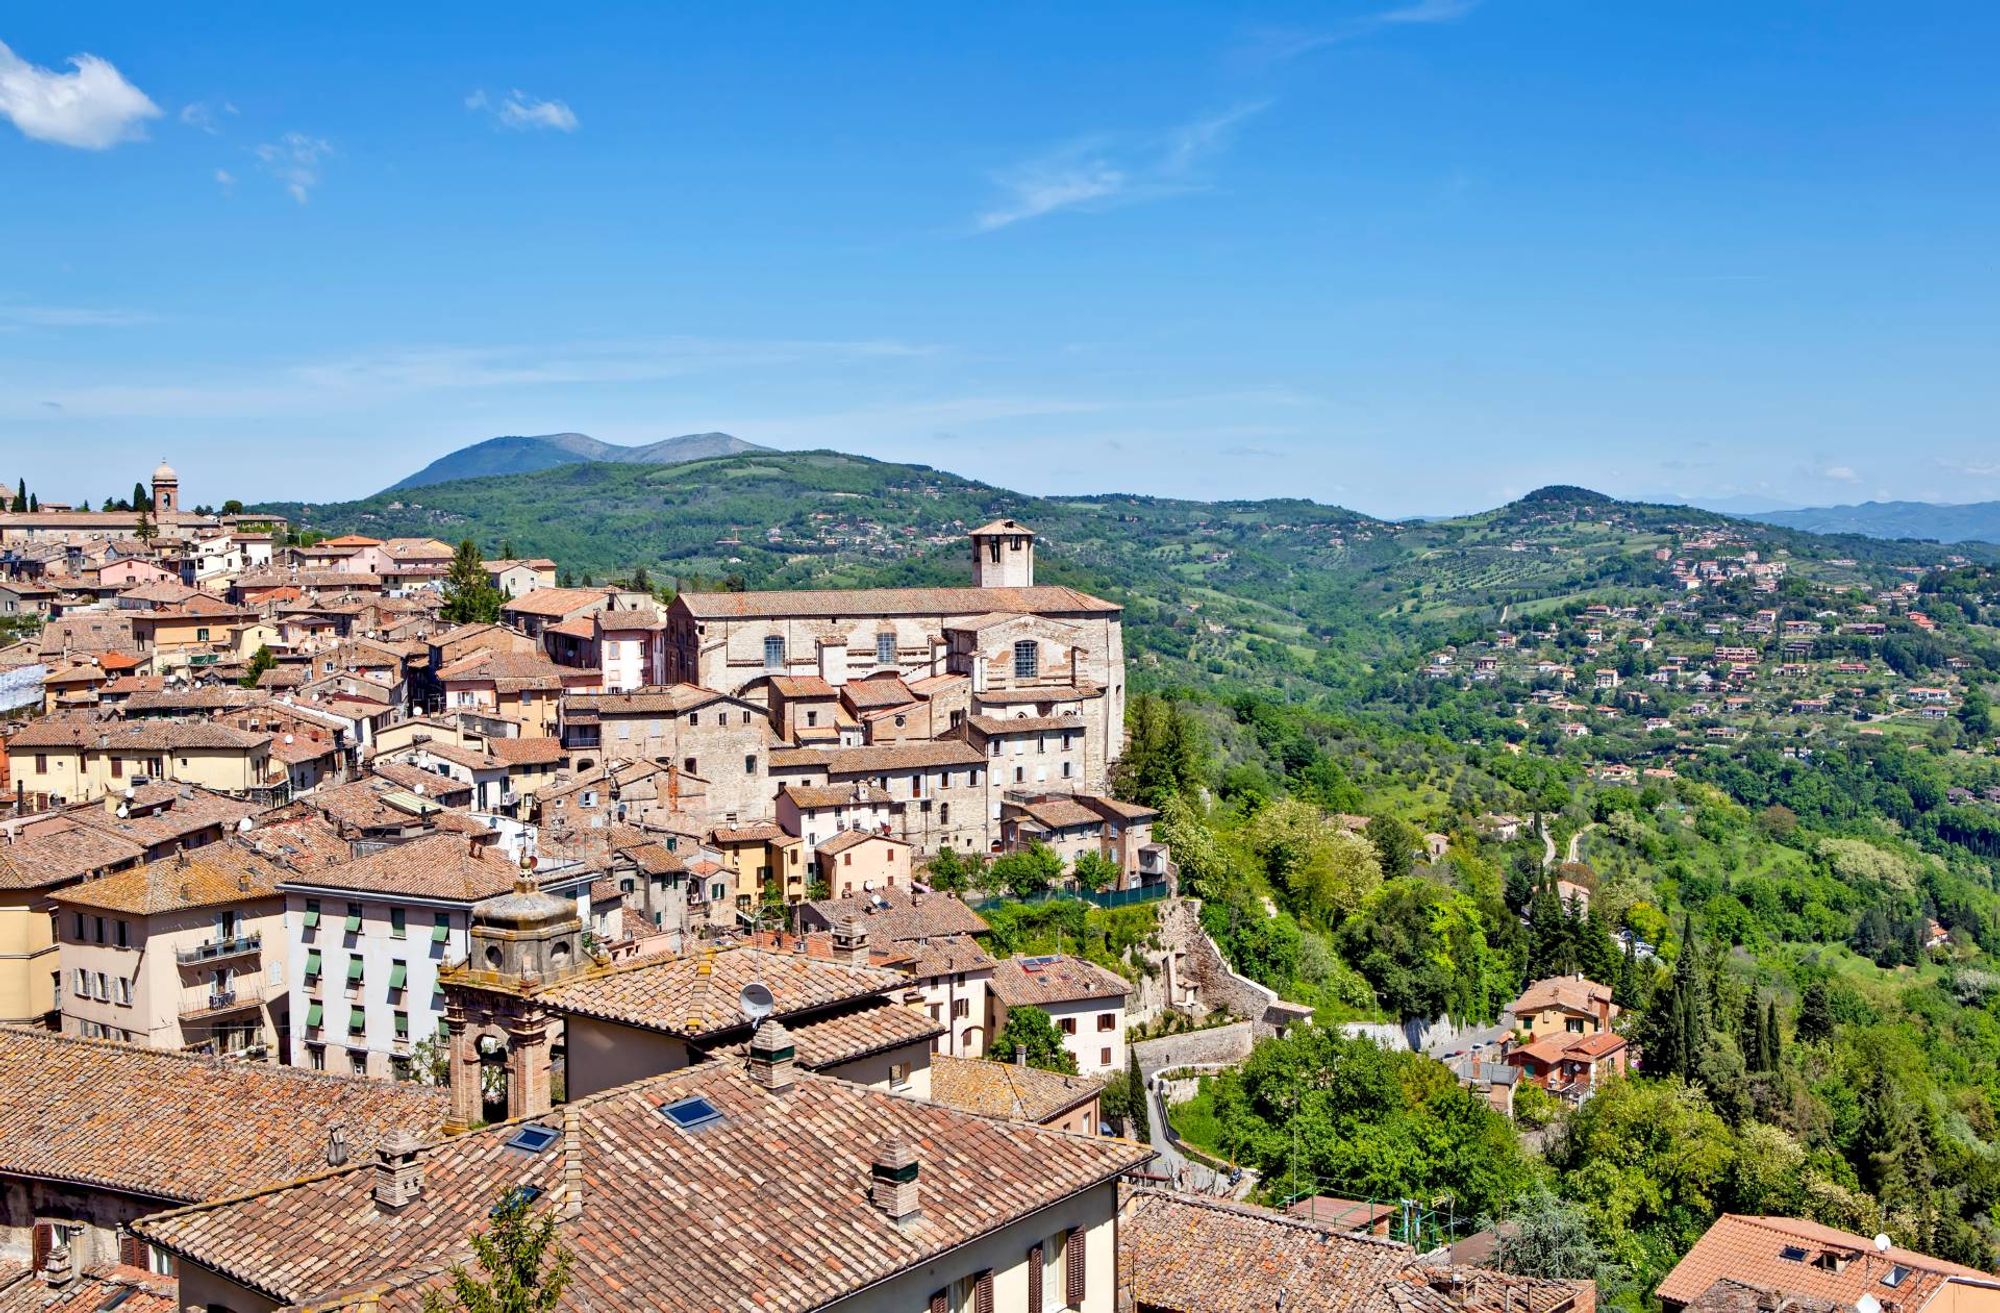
x=893, y=1178
x=399, y=1171
x=57, y=1269
x=772, y=1056
x=336, y=1146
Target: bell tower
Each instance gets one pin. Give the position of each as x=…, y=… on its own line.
x=1003, y=555
x=166, y=490
x=522, y=942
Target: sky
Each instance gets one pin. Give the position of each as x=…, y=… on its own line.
x=1412, y=257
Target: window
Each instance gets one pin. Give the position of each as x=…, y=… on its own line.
x=398, y=923
x=1574, y=1025
x=98, y=928
x=442, y=930
x=944, y=813
x=357, y=1063
x=885, y=649
x=689, y=765
x=961, y=1007
x=1107, y=1021
x=357, y=1021
x=354, y=971
x=100, y=987
x=774, y=653
x=1104, y=1057
x=399, y=975
x=353, y=926
x=313, y=966
x=1067, y=1025
x=117, y=768
x=124, y=992
x=1067, y=767
x=41, y=763
x=812, y=717
x=1027, y=659
x=402, y=1025
x=124, y=935
x=750, y=764
x=899, y=1075
x=694, y=718
x=82, y=983
x=312, y=913
x=79, y=927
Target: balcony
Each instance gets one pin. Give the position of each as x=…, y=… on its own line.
x=221, y=1002
x=217, y=949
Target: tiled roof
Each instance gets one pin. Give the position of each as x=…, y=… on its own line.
x=945, y=955
x=54, y=857
x=1033, y=981
x=809, y=797
x=109, y=1286
x=554, y=601
x=1060, y=813
x=303, y=843
x=763, y=832
x=1752, y=1250
x=1728, y=1296
x=187, y=812
x=897, y=914
x=846, y=839
x=177, y=1126
x=435, y=866
x=143, y=736
x=537, y=751
x=873, y=760
x=1038, y=693
x=213, y=875
x=852, y=602
x=673, y=699
x=697, y=995
x=996, y=725
x=430, y=784
x=1005, y=1089
x=1572, y=992
x=803, y=686
x=512, y=671
x=874, y=1027
x=878, y=691
x=772, y=1199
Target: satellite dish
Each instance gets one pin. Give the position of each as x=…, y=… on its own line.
x=756, y=1002
x=1868, y=1304
x=1881, y=1244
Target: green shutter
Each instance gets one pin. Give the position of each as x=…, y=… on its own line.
x=354, y=923
x=442, y=930
x=353, y=970
x=357, y=1020
x=399, y=973
x=314, y=1015
x=402, y=1025
x=312, y=962
x=312, y=915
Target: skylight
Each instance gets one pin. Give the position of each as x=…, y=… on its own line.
x=534, y=1139
x=520, y=1194
x=691, y=1112
x=1793, y=1253
x=1897, y=1274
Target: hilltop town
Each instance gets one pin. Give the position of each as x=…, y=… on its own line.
x=428, y=891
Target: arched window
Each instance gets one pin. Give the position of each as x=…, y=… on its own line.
x=1027, y=659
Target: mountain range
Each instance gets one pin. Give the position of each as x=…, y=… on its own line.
x=1967, y=522
x=526, y=455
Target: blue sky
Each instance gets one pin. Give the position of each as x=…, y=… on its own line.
x=1413, y=257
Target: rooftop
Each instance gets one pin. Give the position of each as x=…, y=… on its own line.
x=435, y=866
x=896, y=913
x=1784, y=1253
x=831, y=602
x=1032, y=981
x=1007, y=1089
x=698, y=995
x=213, y=875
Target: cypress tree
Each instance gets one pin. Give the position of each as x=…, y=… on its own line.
x=1816, y=1014
x=1774, y=1046
x=1676, y=1033
x=1750, y=1037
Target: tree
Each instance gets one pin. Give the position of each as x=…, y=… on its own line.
x=1030, y=1032
x=20, y=497
x=1674, y=1035
x=946, y=870
x=1095, y=872
x=469, y=594
x=1548, y=1237
x=140, y=501
x=144, y=530
x=260, y=661
x=1774, y=1047
x=1028, y=871
x=1395, y=845
x=527, y=1268
x=232, y=507
x=1324, y=870
x=1815, y=1025
x=1165, y=755
x=1975, y=712
x=1423, y=948
x=1750, y=1036
x=1138, y=1116
x=641, y=581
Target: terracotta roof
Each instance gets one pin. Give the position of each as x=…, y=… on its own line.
x=861, y=602
x=1756, y=1250
x=303, y=843
x=1032, y=981
x=416, y=779
x=162, y=813
x=875, y=759
x=514, y=670
x=1572, y=992
x=42, y=860
x=577, y=626
x=204, y=1127
x=1039, y=693
x=108, y=1286
x=435, y=866
x=803, y=686
x=213, y=875
x=537, y=751
x=697, y=995
x=554, y=601
x=846, y=839
x=1060, y=813
x=878, y=691
x=897, y=914
x=762, y=832
x=1005, y=1089
x=945, y=955
x=809, y=797
x=674, y=698
x=651, y=1194
x=876, y=1026
x=143, y=736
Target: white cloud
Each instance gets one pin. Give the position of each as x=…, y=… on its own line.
x=1840, y=474
x=524, y=113
x=226, y=179
x=1102, y=171
x=199, y=116
x=294, y=161
x=92, y=108
x=1268, y=46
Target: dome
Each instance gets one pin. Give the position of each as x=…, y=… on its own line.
x=165, y=472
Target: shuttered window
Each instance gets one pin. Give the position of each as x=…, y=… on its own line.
x=1073, y=1266
x=315, y=1014
x=941, y=1302
x=399, y=974
x=312, y=963
x=982, y=1292
x=1034, y=1279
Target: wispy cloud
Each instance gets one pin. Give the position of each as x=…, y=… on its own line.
x=1102, y=171
x=524, y=113
x=225, y=179
x=1276, y=45
x=91, y=107
x=66, y=316
x=1840, y=474
x=202, y=118
x=294, y=160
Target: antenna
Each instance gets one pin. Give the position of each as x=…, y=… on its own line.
x=756, y=1002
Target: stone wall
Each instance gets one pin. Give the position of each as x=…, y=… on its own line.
x=1197, y=979
x=1218, y=1044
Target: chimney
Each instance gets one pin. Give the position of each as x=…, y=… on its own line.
x=1767, y=1300
x=57, y=1270
x=399, y=1173
x=772, y=1056
x=336, y=1146
x=893, y=1179
x=850, y=942
x=572, y=1172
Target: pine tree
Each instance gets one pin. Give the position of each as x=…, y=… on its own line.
x=1676, y=1033
x=469, y=595
x=1815, y=1014
x=1549, y=943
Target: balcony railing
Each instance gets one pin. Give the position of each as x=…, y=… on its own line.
x=217, y=1001
x=216, y=949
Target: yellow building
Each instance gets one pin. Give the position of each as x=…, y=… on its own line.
x=79, y=759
